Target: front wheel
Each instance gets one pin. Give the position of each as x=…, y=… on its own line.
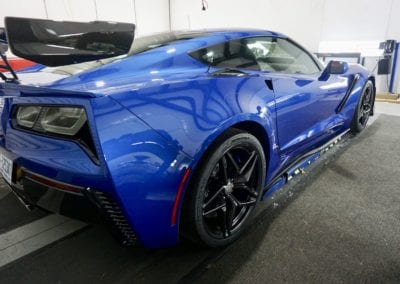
x=363, y=109
x=225, y=190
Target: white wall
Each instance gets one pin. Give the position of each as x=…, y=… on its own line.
x=71, y=10
x=361, y=20
x=307, y=21
x=21, y=8
x=149, y=15
x=152, y=16
x=300, y=19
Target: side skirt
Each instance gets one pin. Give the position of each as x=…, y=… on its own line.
x=298, y=166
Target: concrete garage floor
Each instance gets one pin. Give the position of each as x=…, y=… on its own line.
x=340, y=222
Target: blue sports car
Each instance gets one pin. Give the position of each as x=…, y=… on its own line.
x=168, y=136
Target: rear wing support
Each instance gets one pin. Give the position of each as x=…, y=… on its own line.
x=6, y=65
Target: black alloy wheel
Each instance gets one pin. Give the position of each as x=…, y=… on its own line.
x=364, y=108
x=226, y=190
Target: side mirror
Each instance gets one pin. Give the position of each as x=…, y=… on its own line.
x=334, y=68
x=337, y=67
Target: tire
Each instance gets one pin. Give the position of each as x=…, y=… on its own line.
x=224, y=191
x=364, y=108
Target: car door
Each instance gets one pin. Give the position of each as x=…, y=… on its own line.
x=305, y=104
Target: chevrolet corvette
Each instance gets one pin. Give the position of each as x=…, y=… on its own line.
x=176, y=135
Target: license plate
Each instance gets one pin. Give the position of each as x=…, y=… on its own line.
x=6, y=167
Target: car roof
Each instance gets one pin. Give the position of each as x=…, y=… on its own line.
x=231, y=32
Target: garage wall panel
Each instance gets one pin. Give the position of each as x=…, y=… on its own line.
x=356, y=19
x=71, y=10
x=301, y=20
x=298, y=19
x=152, y=16
x=307, y=21
x=393, y=29
x=21, y=8
x=116, y=10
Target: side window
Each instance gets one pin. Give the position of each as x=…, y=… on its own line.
x=230, y=54
x=280, y=55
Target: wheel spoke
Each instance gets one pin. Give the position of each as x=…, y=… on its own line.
x=212, y=198
x=222, y=206
x=233, y=200
x=238, y=203
x=233, y=162
x=246, y=177
x=247, y=162
x=230, y=216
x=249, y=203
x=223, y=221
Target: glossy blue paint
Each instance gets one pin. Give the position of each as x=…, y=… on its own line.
x=154, y=114
x=146, y=167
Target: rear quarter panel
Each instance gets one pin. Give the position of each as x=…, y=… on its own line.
x=195, y=110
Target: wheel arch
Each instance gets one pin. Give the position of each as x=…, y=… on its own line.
x=255, y=128
x=259, y=132
x=262, y=131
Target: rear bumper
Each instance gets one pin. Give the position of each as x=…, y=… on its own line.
x=134, y=185
x=84, y=204
x=42, y=195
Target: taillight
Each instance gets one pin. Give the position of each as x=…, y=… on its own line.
x=27, y=116
x=51, y=119
x=67, y=122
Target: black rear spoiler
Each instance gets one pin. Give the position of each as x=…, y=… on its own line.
x=57, y=43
